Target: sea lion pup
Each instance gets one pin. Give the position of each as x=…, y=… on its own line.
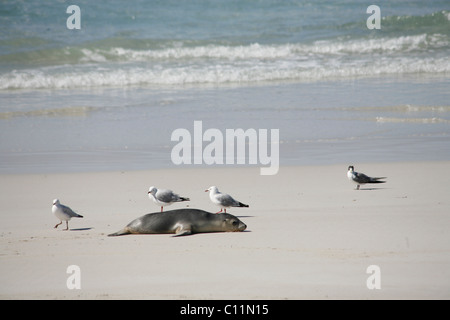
x=182, y=222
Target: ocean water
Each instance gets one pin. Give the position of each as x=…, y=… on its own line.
x=108, y=96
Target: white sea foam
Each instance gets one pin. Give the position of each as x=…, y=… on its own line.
x=214, y=74
x=219, y=64
x=412, y=120
x=407, y=108
x=401, y=44
x=253, y=51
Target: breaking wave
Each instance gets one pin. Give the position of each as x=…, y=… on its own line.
x=411, y=120
x=126, y=62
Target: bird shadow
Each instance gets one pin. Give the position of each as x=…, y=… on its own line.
x=245, y=216
x=81, y=229
x=370, y=189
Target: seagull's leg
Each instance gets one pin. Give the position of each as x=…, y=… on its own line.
x=67, y=226
x=58, y=225
x=161, y=208
x=225, y=210
x=221, y=209
x=357, y=188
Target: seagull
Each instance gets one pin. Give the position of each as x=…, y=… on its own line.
x=164, y=197
x=223, y=200
x=361, y=178
x=63, y=213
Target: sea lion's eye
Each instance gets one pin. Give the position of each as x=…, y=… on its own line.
x=235, y=222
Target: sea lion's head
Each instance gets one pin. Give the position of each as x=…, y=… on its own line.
x=232, y=224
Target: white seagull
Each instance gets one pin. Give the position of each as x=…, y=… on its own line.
x=361, y=178
x=63, y=213
x=223, y=200
x=164, y=197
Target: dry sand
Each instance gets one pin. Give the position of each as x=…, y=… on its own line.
x=310, y=235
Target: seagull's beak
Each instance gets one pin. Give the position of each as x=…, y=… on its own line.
x=206, y=190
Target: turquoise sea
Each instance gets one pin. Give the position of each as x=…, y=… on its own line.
x=108, y=96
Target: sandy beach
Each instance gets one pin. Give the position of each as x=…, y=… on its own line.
x=100, y=102
x=310, y=235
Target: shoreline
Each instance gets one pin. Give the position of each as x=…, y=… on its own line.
x=310, y=235
x=345, y=119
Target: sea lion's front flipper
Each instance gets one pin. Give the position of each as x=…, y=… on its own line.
x=182, y=230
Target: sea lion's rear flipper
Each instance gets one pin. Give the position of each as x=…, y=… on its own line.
x=122, y=232
x=182, y=230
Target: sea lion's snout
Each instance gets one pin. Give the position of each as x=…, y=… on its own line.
x=233, y=224
x=240, y=226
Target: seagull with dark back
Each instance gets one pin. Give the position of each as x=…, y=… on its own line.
x=361, y=178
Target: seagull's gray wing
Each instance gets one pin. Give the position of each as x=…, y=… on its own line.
x=166, y=196
x=227, y=201
x=169, y=196
x=70, y=212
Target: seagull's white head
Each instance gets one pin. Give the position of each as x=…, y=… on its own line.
x=152, y=190
x=351, y=169
x=55, y=202
x=213, y=189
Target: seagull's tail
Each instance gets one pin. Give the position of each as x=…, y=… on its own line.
x=78, y=216
x=122, y=232
x=377, y=180
x=184, y=199
x=243, y=205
